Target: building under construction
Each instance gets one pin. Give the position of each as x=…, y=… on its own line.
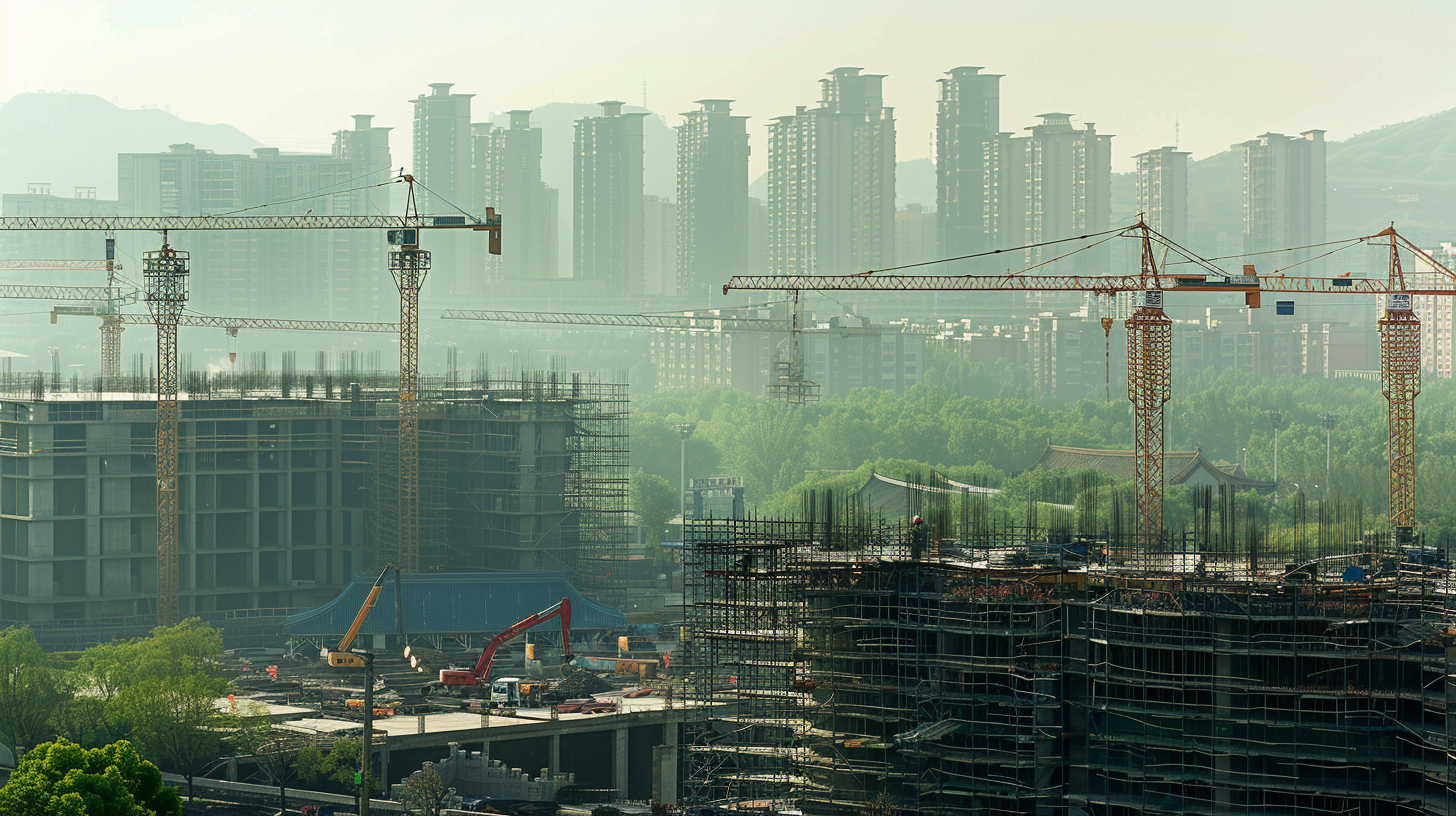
x=286, y=491
x=957, y=666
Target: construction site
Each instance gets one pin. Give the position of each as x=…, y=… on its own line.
x=289, y=484
x=1081, y=659
x=947, y=667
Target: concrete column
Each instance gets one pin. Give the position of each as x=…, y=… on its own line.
x=619, y=761
x=553, y=763
x=384, y=768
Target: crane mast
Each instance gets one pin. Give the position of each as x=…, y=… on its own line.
x=165, y=272
x=1149, y=384
x=111, y=327
x=1400, y=382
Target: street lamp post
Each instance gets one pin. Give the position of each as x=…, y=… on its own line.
x=685, y=430
x=1327, y=421
x=1276, y=418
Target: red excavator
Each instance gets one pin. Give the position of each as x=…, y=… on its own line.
x=460, y=682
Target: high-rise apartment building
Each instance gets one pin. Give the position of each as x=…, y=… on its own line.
x=659, y=246
x=1054, y=183
x=608, y=213
x=915, y=236
x=712, y=197
x=1284, y=190
x=442, y=165
x=367, y=148
x=283, y=273
x=508, y=177
x=1162, y=191
x=967, y=120
x=831, y=180
x=36, y=202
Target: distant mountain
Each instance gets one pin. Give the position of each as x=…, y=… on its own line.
x=71, y=140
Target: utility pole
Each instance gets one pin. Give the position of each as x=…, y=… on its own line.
x=1327, y=421
x=685, y=430
x=366, y=752
x=1276, y=418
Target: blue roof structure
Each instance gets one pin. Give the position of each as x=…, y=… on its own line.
x=457, y=603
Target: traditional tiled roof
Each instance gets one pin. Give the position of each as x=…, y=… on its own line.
x=881, y=494
x=1178, y=466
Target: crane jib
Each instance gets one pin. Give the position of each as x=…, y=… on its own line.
x=249, y=222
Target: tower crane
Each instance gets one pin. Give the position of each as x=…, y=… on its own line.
x=1150, y=340
x=789, y=384
x=166, y=275
x=77, y=266
x=231, y=325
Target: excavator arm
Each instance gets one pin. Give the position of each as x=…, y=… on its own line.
x=561, y=609
x=340, y=656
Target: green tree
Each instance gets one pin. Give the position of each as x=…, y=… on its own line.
x=654, y=500
x=126, y=680
x=177, y=721
x=425, y=792
x=280, y=755
x=335, y=769
x=63, y=779
x=31, y=689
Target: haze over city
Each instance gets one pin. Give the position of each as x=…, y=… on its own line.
x=291, y=72
x=765, y=409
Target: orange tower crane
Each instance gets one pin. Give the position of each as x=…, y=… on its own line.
x=166, y=274
x=1150, y=343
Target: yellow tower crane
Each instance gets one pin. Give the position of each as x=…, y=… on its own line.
x=166, y=275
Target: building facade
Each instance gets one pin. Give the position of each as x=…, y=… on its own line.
x=831, y=180
x=916, y=235
x=443, y=166
x=508, y=177
x=660, y=249
x=282, y=499
x=713, y=229
x=1162, y=191
x=1052, y=184
x=38, y=202
x=607, y=222
x=968, y=119
x=1284, y=191
x=280, y=273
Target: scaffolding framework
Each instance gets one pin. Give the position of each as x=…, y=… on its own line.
x=842, y=664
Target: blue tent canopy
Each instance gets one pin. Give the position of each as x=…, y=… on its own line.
x=454, y=604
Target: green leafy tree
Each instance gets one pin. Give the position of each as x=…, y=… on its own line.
x=333, y=770
x=280, y=755
x=177, y=721
x=62, y=778
x=654, y=500
x=425, y=792
x=126, y=680
x=31, y=689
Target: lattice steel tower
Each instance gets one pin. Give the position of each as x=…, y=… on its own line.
x=1149, y=384
x=165, y=272
x=1400, y=382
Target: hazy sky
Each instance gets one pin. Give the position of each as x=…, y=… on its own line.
x=294, y=71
